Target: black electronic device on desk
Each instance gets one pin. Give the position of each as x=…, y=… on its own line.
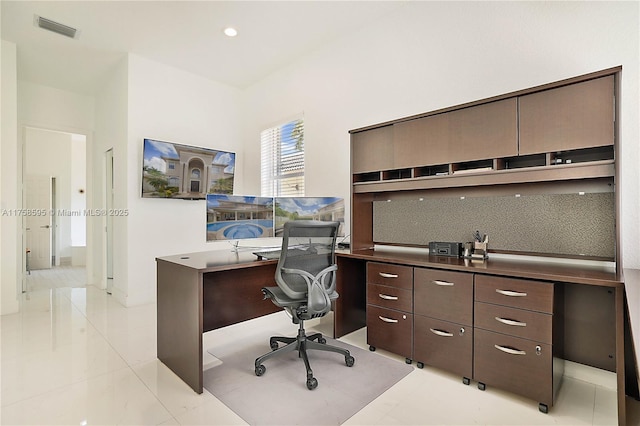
x=445, y=249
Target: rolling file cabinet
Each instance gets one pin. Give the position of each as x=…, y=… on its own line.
x=516, y=342
x=443, y=320
x=390, y=308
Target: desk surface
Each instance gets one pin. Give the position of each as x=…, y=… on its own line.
x=216, y=260
x=534, y=269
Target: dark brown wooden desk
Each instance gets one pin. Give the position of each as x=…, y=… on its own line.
x=199, y=292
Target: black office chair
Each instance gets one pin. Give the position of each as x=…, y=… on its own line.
x=306, y=278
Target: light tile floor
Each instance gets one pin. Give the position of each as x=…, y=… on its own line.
x=74, y=356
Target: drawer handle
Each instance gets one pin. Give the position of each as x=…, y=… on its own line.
x=510, y=350
x=387, y=297
x=511, y=322
x=440, y=333
x=510, y=293
x=386, y=275
x=442, y=283
x=385, y=319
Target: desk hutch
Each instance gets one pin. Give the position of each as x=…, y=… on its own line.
x=552, y=288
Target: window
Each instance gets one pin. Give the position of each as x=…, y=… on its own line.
x=282, y=160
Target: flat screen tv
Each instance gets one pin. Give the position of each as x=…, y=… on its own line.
x=172, y=170
x=234, y=217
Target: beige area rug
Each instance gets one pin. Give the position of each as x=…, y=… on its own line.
x=280, y=396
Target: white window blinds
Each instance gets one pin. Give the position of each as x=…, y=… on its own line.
x=282, y=160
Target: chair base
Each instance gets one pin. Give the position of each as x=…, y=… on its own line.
x=302, y=343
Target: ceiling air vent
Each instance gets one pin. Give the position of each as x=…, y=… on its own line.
x=56, y=27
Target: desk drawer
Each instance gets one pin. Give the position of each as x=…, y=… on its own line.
x=444, y=294
x=514, y=364
x=390, y=275
x=444, y=345
x=525, y=294
x=390, y=297
x=390, y=330
x=516, y=322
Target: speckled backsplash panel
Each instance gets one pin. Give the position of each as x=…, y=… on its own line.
x=568, y=224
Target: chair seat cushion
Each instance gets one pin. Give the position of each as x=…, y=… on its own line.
x=279, y=298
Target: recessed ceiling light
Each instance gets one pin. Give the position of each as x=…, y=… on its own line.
x=230, y=32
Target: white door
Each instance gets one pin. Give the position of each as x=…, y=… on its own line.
x=38, y=221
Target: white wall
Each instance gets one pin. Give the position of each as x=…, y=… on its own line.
x=110, y=133
x=171, y=105
x=10, y=238
x=78, y=198
x=431, y=55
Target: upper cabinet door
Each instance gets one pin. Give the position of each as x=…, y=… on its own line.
x=372, y=150
x=579, y=115
x=473, y=133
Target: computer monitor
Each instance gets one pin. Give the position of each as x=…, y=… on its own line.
x=234, y=217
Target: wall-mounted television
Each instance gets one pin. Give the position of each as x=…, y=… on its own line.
x=172, y=170
x=234, y=217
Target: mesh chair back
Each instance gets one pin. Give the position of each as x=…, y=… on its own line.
x=307, y=269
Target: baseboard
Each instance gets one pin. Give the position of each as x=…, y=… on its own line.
x=591, y=375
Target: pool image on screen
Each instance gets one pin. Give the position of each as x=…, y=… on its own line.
x=308, y=208
x=235, y=217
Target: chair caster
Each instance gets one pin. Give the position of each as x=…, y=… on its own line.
x=260, y=369
x=372, y=348
x=543, y=408
x=408, y=361
x=322, y=340
x=420, y=364
x=312, y=383
x=466, y=380
x=482, y=386
x=274, y=346
x=349, y=360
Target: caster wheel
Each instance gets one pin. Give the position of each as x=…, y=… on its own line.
x=482, y=386
x=407, y=360
x=274, y=346
x=260, y=370
x=322, y=340
x=349, y=360
x=420, y=364
x=312, y=383
x=372, y=348
x=466, y=381
x=543, y=408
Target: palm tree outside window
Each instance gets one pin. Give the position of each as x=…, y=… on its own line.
x=282, y=160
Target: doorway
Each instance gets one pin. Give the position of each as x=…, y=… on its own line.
x=55, y=177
